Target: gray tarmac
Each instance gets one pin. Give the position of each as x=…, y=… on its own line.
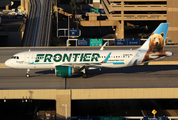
x=130, y=77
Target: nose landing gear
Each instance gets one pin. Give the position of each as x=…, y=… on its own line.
x=28, y=75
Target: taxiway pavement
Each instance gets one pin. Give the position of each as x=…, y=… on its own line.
x=159, y=76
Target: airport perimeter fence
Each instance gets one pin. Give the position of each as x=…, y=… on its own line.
x=100, y=42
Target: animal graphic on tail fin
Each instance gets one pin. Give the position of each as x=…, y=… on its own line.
x=156, y=45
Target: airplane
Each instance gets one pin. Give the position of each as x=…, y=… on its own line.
x=67, y=63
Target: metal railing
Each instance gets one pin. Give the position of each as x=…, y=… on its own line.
x=104, y=40
x=66, y=32
x=133, y=117
x=139, y=16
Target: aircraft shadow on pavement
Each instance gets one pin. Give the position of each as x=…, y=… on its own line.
x=134, y=69
x=126, y=70
x=45, y=72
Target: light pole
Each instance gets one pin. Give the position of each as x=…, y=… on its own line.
x=68, y=31
x=65, y=109
x=56, y=15
x=68, y=24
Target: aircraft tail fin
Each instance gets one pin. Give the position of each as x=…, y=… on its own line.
x=155, y=44
x=157, y=38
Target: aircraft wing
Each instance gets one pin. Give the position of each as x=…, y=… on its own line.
x=102, y=48
x=81, y=65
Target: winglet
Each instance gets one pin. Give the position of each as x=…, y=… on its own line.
x=102, y=48
x=106, y=58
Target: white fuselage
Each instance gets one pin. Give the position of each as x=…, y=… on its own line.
x=50, y=59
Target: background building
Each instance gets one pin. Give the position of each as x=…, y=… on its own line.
x=136, y=12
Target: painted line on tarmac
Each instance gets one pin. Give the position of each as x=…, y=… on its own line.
x=2, y=65
x=161, y=63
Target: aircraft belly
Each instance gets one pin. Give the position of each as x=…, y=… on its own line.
x=113, y=65
x=43, y=66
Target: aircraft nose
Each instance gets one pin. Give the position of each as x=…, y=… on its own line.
x=7, y=63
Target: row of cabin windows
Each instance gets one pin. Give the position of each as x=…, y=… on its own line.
x=99, y=57
x=17, y=57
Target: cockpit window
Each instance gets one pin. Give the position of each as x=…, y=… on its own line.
x=15, y=57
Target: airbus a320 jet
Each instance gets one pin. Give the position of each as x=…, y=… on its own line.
x=66, y=63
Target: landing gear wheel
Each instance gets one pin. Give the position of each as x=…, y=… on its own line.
x=84, y=75
x=27, y=75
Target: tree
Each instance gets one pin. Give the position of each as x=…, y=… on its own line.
x=72, y=3
x=81, y=1
x=75, y=8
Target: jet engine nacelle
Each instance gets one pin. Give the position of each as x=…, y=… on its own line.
x=64, y=71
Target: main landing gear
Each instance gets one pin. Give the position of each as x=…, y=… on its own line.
x=84, y=73
x=28, y=75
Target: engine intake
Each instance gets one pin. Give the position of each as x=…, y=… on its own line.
x=64, y=71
